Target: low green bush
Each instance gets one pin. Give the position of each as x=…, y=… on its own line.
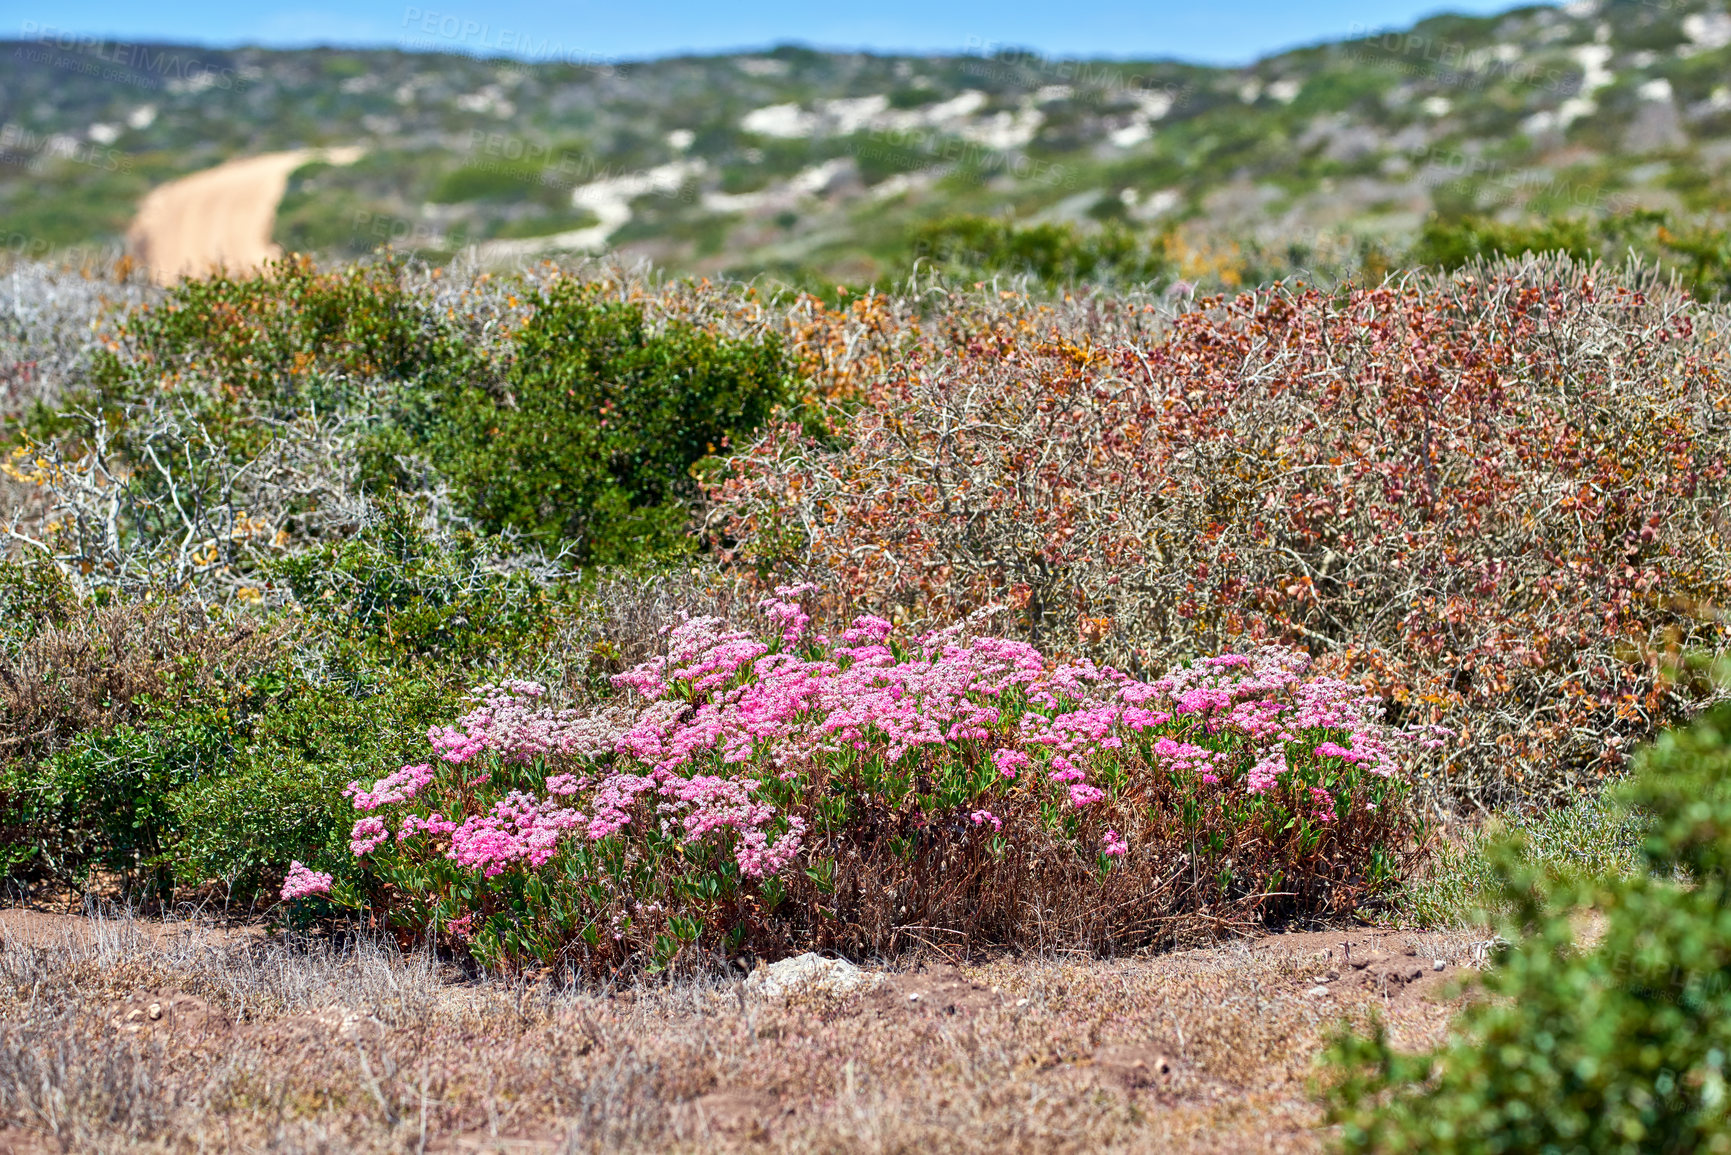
x=1618, y=1046
x=1595, y=837
x=394, y=594
x=1452, y=243
x=281, y=792
x=150, y=745
x=1697, y=253
x=969, y=246
x=590, y=441
x=272, y=344
x=266, y=405
x=33, y=594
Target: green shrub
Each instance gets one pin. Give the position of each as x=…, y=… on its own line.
x=1617, y=1047
x=280, y=342
x=149, y=745
x=1594, y=837
x=281, y=796
x=1451, y=244
x=1699, y=255
x=592, y=439
x=33, y=593
x=252, y=412
x=497, y=181
x=980, y=246
x=404, y=597
x=101, y=805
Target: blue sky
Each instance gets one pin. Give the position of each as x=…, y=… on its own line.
x=1218, y=32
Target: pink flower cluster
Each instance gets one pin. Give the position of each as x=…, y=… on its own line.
x=507, y=722
x=518, y=829
x=398, y=787
x=366, y=835
x=303, y=883
x=760, y=858
x=724, y=695
x=747, y=702
x=785, y=611
x=725, y=721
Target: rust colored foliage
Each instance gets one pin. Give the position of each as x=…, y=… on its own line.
x=1501, y=498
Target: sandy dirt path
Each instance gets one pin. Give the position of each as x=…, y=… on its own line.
x=221, y=217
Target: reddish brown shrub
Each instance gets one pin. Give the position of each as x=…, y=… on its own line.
x=1502, y=497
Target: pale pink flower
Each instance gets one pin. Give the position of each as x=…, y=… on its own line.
x=303, y=883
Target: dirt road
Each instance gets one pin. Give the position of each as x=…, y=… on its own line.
x=221, y=217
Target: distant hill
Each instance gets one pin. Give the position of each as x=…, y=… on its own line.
x=805, y=163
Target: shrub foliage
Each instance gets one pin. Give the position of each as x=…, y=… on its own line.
x=590, y=440
x=1616, y=1047
x=1501, y=498
x=242, y=418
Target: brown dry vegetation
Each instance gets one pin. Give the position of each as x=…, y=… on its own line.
x=1497, y=498
x=266, y=1044
x=92, y=671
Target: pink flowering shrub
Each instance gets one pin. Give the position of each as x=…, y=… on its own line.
x=782, y=791
x=304, y=883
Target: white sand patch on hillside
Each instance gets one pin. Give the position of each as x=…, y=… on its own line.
x=609, y=200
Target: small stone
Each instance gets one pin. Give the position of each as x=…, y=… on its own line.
x=155, y=1010
x=809, y=972
x=1021, y=1002
x=134, y=1015
x=1317, y=991
x=1438, y=965
x=914, y=998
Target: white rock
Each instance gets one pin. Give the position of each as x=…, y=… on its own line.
x=809, y=972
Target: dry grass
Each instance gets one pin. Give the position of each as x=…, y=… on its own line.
x=270, y=1044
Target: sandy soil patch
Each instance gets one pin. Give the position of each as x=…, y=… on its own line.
x=126, y=1036
x=220, y=218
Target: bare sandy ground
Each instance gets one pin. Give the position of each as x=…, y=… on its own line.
x=221, y=217
x=132, y=1034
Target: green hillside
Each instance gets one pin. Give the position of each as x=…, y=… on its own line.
x=809, y=164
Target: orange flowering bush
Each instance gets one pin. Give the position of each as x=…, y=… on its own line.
x=1500, y=498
